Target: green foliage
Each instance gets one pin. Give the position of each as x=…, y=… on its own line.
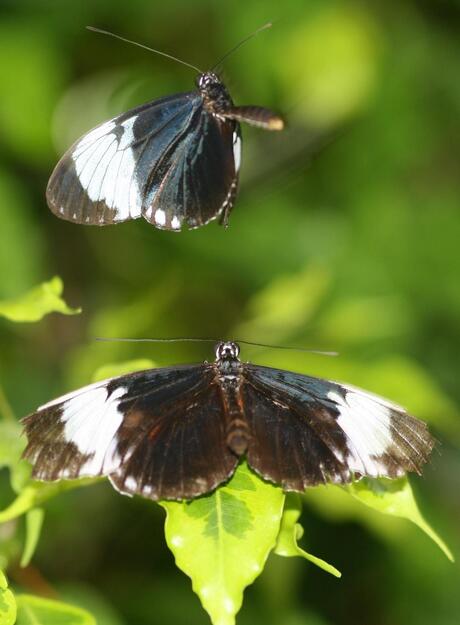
x=38, y=302
x=344, y=237
x=291, y=531
x=7, y=603
x=395, y=497
x=34, y=522
x=39, y=611
x=221, y=541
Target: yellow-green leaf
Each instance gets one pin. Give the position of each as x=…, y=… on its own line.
x=36, y=493
x=38, y=302
x=395, y=497
x=291, y=531
x=11, y=443
x=38, y=611
x=7, y=603
x=34, y=522
x=222, y=540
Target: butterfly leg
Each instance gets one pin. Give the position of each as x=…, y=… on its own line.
x=227, y=206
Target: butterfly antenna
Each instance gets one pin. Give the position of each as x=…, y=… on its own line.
x=141, y=45
x=241, y=43
x=208, y=340
x=321, y=352
x=155, y=340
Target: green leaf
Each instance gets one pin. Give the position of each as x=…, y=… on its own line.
x=11, y=447
x=222, y=540
x=7, y=603
x=36, y=493
x=34, y=522
x=11, y=443
x=39, y=611
x=291, y=531
x=38, y=302
x=395, y=497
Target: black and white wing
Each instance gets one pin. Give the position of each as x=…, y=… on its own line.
x=157, y=433
x=307, y=431
x=197, y=178
x=169, y=161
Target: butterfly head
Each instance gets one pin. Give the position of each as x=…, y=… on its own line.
x=227, y=350
x=213, y=92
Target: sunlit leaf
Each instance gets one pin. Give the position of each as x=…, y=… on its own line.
x=222, y=540
x=395, y=497
x=34, y=522
x=38, y=611
x=38, y=302
x=7, y=603
x=291, y=531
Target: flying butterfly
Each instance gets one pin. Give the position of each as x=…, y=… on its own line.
x=173, y=161
x=180, y=432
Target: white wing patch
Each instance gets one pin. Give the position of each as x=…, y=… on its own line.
x=175, y=223
x=366, y=422
x=237, y=151
x=91, y=421
x=160, y=217
x=105, y=166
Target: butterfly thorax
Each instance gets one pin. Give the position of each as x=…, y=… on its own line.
x=215, y=96
x=230, y=379
x=227, y=362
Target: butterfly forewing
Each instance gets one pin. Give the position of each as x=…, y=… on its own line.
x=367, y=435
x=172, y=161
x=156, y=433
x=102, y=179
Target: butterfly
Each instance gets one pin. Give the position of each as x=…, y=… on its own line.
x=173, y=161
x=179, y=432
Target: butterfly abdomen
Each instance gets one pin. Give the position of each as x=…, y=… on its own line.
x=237, y=429
x=229, y=379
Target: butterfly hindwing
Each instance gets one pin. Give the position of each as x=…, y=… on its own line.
x=285, y=446
x=198, y=175
x=158, y=433
x=367, y=435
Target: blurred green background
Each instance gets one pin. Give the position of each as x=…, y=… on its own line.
x=345, y=236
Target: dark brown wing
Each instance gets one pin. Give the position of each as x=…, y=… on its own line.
x=306, y=431
x=157, y=433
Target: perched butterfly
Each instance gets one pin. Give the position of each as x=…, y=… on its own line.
x=179, y=432
x=173, y=161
